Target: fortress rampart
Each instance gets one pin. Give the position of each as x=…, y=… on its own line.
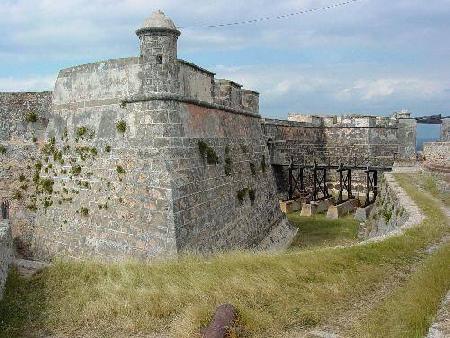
x=151, y=156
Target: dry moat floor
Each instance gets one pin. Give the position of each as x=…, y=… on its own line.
x=390, y=288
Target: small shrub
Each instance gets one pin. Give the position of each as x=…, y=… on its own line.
x=228, y=166
x=252, y=195
x=81, y=132
x=31, y=117
x=84, y=211
x=202, y=147
x=47, y=203
x=22, y=178
x=211, y=156
x=24, y=187
x=263, y=164
x=120, y=170
x=38, y=166
x=241, y=195
x=34, y=139
x=94, y=151
x=252, y=168
x=228, y=162
x=17, y=195
x=208, y=152
x=76, y=170
x=121, y=126
x=2, y=150
x=108, y=149
x=47, y=185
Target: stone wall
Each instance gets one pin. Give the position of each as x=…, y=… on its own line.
x=437, y=155
x=445, y=130
x=393, y=210
x=150, y=156
x=23, y=122
x=351, y=140
x=6, y=253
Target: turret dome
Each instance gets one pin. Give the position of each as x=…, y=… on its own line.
x=158, y=21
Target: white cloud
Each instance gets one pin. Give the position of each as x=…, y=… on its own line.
x=37, y=83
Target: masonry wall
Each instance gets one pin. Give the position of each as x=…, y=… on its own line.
x=351, y=140
x=23, y=121
x=231, y=203
x=437, y=155
x=445, y=129
x=6, y=253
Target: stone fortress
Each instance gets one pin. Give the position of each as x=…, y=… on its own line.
x=151, y=156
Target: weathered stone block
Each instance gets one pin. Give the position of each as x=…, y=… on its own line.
x=343, y=209
x=316, y=207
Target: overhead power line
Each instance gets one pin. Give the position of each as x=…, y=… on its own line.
x=279, y=17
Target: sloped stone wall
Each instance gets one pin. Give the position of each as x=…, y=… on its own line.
x=393, y=211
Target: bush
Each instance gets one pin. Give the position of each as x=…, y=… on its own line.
x=120, y=170
x=31, y=117
x=2, y=150
x=121, y=126
x=241, y=195
x=84, y=211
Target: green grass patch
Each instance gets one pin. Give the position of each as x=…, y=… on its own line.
x=321, y=231
x=275, y=293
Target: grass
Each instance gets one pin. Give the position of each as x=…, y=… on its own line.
x=274, y=293
x=321, y=231
x=434, y=184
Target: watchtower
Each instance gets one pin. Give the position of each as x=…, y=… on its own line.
x=158, y=43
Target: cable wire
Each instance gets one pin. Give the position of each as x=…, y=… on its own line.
x=279, y=17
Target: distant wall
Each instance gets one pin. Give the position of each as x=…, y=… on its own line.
x=6, y=253
x=351, y=140
x=445, y=130
x=437, y=155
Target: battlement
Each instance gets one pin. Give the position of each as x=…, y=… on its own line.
x=345, y=121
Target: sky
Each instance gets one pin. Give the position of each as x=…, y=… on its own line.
x=371, y=56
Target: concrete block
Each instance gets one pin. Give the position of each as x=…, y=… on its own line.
x=362, y=214
x=316, y=207
x=290, y=206
x=343, y=209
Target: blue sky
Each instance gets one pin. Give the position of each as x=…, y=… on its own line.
x=374, y=56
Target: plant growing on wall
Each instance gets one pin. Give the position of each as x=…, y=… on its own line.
x=252, y=168
x=263, y=164
x=31, y=117
x=2, y=150
x=121, y=126
x=120, y=170
x=76, y=170
x=84, y=211
x=228, y=167
x=108, y=148
x=252, y=195
x=208, y=152
x=241, y=195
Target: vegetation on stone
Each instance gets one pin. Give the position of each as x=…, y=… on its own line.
x=120, y=170
x=121, y=126
x=31, y=117
x=2, y=150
